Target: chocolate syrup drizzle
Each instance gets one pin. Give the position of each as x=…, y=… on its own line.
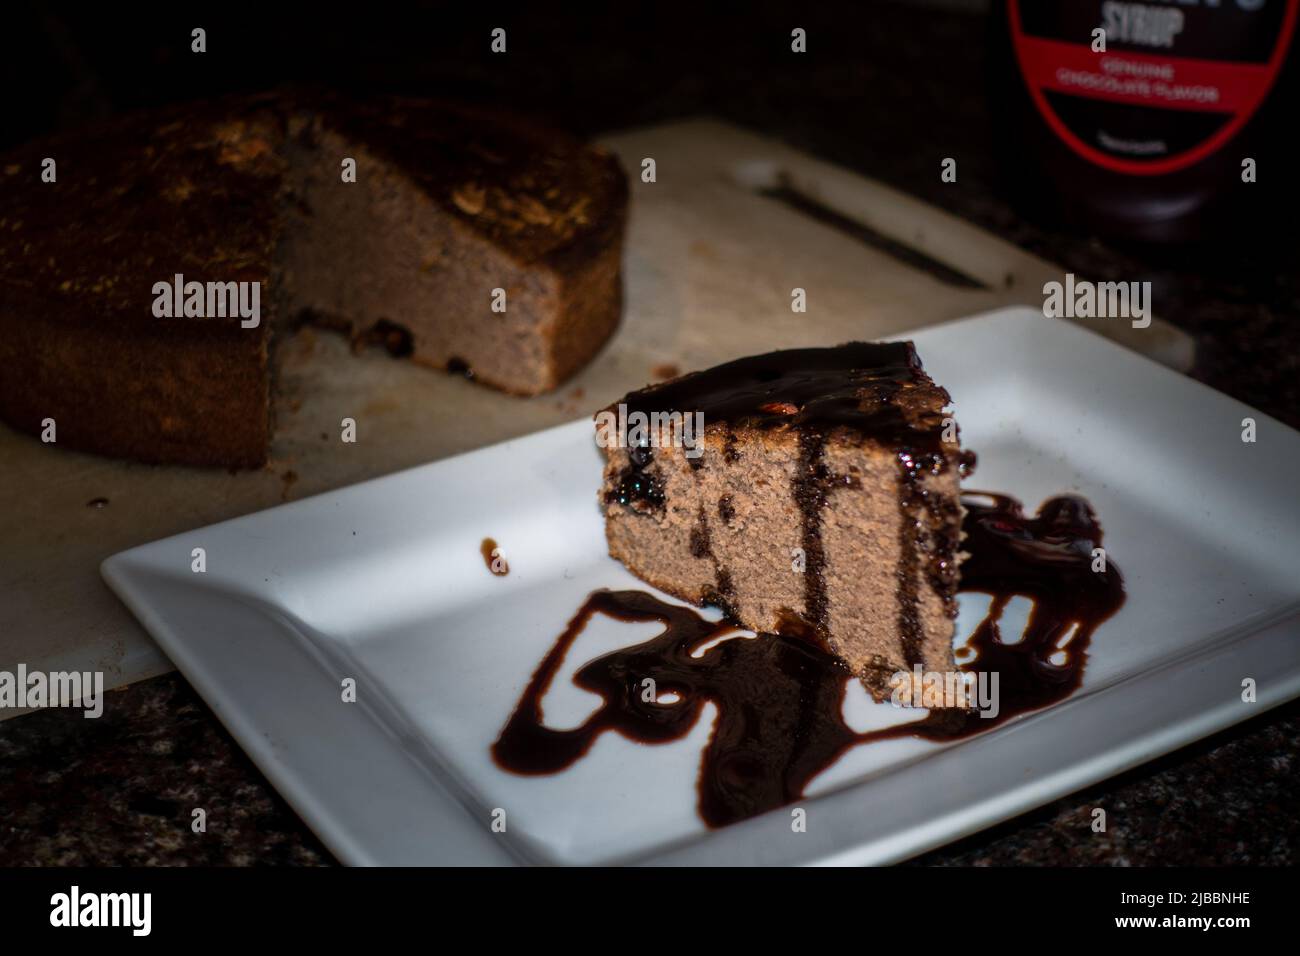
x=494, y=562
x=876, y=392
x=780, y=699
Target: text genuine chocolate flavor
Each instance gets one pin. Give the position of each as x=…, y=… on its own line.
x=780, y=699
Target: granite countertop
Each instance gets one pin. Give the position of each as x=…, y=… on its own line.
x=896, y=87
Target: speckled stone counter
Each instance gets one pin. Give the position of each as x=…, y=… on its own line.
x=896, y=94
x=120, y=790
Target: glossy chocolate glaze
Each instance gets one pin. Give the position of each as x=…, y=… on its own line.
x=780, y=697
x=637, y=484
x=857, y=384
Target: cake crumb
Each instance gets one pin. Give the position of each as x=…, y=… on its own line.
x=493, y=559
x=289, y=478
x=470, y=198
x=665, y=371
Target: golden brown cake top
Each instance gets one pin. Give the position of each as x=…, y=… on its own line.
x=191, y=190
x=531, y=190
x=197, y=190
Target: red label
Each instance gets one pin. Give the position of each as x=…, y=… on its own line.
x=1172, y=109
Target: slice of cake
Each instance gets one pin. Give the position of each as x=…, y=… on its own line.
x=495, y=243
x=811, y=491
x=466, y=239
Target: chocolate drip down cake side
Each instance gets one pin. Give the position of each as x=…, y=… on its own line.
x=821, y=499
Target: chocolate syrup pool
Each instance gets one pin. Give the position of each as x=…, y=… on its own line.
x=780, y=699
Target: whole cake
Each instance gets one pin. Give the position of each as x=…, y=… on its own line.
x=811, y=491
x=142, y=288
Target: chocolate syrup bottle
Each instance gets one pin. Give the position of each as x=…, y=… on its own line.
x=1146, y=141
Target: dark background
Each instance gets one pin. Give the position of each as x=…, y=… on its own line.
x=886, y=88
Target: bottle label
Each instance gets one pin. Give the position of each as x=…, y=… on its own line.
x=1173, y=82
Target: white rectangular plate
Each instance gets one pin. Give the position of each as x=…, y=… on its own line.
x=383, y=582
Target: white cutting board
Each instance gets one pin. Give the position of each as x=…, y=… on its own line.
x=710, y=267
